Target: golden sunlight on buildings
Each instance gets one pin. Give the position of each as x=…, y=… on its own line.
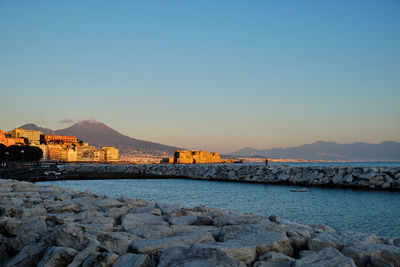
x=185, y=156
x=9, y=141
x=31, y=135
x=59, y=147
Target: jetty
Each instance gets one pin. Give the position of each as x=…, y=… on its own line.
x=371, y=178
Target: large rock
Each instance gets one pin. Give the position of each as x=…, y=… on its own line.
x=71, y=235
x=57, y=256
x=234, y=231
x=273, y=259
x=183, y=220
x=28, y=232
x=97, y=259
x=167, y=208
x=117, y=242
x=153, y=231
x=131, y=221
x=93, y=247
x=298, y=234
x=234, y=219
x=247, y=247
x=132, y=260
x=327, y=257
x=362, y=253
x=341, y=239
x=28, y=256
x=182, y=239
x=193, y=257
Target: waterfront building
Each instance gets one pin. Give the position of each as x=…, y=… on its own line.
x=53, y=152
x=32, y=135
x=87, y=153
x=9, y=141
x=68, y=155
x=110, y=154
x=61, y=139
x=186, y=156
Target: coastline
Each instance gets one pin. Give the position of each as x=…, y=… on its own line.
x=48, y=225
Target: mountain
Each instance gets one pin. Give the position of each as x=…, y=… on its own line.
x=99, y=134
x=31, y=126
x=322, y=150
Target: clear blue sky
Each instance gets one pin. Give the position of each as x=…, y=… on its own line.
x=216, y=75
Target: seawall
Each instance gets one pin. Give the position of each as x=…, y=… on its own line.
x=377, y=178
x=49, y=226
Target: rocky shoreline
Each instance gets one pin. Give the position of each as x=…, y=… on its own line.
x=375, y=178
x=50, y=226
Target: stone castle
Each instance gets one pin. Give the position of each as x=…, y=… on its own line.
x=188, y=157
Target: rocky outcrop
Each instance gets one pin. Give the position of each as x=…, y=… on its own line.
x=379, y=178
x=49, y=226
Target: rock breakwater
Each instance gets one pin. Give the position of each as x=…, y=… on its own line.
x=385, y=178
x=49, y=226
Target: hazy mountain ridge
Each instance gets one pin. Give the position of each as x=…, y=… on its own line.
x=322, y=150
x=99, y=134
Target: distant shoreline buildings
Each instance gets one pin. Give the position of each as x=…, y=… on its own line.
x=59, y=147
x=189, y=157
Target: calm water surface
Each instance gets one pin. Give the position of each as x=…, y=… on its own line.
x=342, y=209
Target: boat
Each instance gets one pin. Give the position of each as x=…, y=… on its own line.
x=299, y=190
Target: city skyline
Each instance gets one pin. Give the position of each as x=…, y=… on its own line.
x=214, y=76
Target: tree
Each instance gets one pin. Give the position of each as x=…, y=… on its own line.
x=3, y=150
x=31, y=153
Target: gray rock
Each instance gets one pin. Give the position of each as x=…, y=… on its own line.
x=147, y=209
x=362, y=253
x=167, y=208
x=27, y=232
x=33, y=211
x=183, y=239
x=117, y=242
x=57, y=256
x=203, y=220
x=318, y=228
x=70, y=235
x=193, y=257
x=234, y=219
x=99, y=223
x=154, y=231
x=275, y=218
x=273, y=259
x=234, y=231
x=132, y=260
x=298, y=234
x=97, y=259
x=338, y=179
x=396, y=242
x=131, y=221
x=246, y=248
x=379, y=262
x=93, y=247
x=185, y=220
x=28, y=256
x=61, y=207
x=341, y=239
x=235, y=250
x=327, y=257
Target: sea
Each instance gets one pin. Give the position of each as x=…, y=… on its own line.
x=343, y=209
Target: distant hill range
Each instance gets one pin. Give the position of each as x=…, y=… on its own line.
x=320, y=150
x=99, y=134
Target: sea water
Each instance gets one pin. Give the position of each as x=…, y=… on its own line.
x=343, y=209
